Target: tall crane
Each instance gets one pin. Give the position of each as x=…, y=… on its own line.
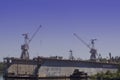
x=25, y=46
x=93, y=51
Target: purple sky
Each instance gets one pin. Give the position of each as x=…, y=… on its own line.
x=60, y=19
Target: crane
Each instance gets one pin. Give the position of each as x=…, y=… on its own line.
x=25, y=46
x=93, y=51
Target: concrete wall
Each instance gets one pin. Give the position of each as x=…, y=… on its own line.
x=21, y=69
x=67, y=71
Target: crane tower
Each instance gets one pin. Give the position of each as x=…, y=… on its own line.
x=93, y=51
x=25, y=46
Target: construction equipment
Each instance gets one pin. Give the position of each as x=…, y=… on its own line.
x=93, y=51
x=25, y=46
x=71, y=57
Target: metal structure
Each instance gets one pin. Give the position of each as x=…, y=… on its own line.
x=54, y=67
x=25, y=46
x=71, y=57
x=93, y=51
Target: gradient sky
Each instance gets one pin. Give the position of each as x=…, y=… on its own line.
x=59, y=19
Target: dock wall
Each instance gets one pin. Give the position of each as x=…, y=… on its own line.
x=45, y=71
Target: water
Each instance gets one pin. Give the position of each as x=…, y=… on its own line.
x=32, y=79
x=1, y=78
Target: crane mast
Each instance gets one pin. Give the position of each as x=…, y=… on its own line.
x=93, y=51
x=25, y=46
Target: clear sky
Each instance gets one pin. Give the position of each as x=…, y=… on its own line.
x=60, y=19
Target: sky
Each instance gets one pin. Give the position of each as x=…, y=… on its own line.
x=89, y=19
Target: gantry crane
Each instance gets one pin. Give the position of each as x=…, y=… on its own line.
x=93, y=51
x=25, y=46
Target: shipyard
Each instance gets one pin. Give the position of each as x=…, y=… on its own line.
x=55, y=66
x=59, y=40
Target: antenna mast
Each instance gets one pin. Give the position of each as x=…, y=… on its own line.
x=71, y=57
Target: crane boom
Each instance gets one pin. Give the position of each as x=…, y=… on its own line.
x=35, y=33
x=81, y=40
x=93, y=51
